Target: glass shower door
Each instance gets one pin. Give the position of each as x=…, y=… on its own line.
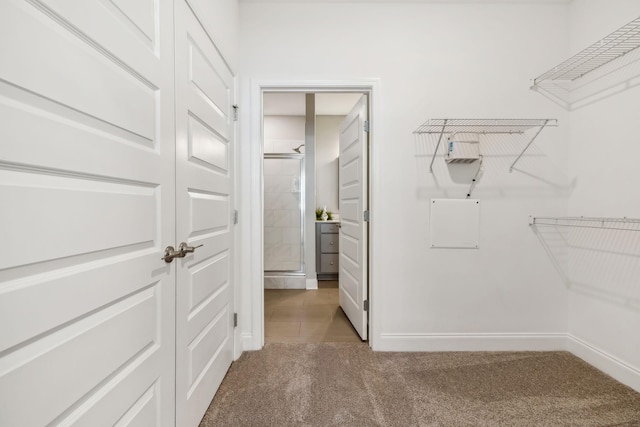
x=283, y=214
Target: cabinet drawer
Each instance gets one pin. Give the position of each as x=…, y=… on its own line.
x=329, y=263
x=329, y=243
x=329, y=228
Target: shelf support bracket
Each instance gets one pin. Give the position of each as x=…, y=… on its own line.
x=528, y=145
x=435, y=152
x=474, y=181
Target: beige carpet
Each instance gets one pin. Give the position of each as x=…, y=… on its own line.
x=343, y=384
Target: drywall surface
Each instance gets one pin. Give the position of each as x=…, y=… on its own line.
x=604, y=308
x=435, y=60
x=283, y=133
x=327, y=151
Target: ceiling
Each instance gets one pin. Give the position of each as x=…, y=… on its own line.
x=293, y=103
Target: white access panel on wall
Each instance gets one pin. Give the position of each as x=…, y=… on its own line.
x=455, y=223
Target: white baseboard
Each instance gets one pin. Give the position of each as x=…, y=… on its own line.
x=249, y=342
x=312, y=284
x=610, y=365
x=471, y=342
x=605, y=362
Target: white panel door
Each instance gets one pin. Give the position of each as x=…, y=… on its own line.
x=204, y=187
x=353, y=189
x=87, y=306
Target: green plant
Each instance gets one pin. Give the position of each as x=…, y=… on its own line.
x=319, y=214
x=329, y=215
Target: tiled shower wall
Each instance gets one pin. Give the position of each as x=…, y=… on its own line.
x=282, y=215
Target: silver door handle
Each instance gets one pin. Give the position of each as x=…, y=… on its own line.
x=186, y=249
x=170, y=253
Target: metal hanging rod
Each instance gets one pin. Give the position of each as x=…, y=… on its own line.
x=623, y=224
x=483, y=127
x=611, y=47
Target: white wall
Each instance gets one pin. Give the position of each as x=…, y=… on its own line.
x=327, y=151
x=283, y=133
x=436, y=60
x=604, y=311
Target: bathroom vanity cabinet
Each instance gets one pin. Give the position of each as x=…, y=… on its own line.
x=327, y=236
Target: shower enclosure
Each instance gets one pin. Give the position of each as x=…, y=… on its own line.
x=284, y=202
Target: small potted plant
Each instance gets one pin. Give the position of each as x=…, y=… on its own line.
x=322, y=214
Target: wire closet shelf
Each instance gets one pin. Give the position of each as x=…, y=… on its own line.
x=615, y=45
x=443, y=127
x=623, y=224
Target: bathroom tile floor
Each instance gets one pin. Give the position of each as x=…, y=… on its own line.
x=306, y=316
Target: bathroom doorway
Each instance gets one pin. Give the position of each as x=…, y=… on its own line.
x=301, y=149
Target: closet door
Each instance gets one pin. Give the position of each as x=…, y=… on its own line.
x=204, y=191
x=87, y=306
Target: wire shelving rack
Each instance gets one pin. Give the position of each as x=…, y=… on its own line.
x=443, y=127
x=611, y=47
x=623, y=224
x=573, y=80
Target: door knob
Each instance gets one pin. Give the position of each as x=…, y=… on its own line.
x=170, y=253
x=185, y=249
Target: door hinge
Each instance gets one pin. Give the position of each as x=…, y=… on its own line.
x=235, y=320
x=235, y=112
x=366, y=216
x=235, y=216
x=366, y=125
x=366, y=305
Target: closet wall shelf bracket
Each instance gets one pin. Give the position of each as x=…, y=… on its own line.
x=448, y=127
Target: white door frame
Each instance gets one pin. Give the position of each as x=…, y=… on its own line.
x=253, y=339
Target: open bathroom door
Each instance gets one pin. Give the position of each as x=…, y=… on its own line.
x=353, y=161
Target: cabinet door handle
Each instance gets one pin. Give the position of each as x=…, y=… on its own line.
x=331, y=243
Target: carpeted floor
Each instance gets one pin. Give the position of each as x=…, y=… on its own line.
x=346, y=384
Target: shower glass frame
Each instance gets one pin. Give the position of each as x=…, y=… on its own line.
x=293, y=156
